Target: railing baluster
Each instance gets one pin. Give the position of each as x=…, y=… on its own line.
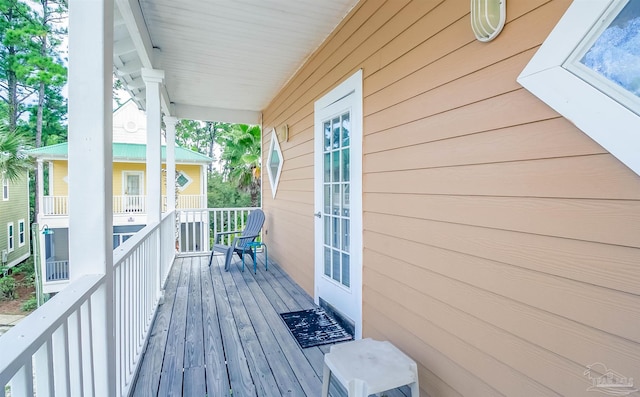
x=61, y=360
x=75, y=354
x=87, y=348
x=44, y=370
x=22, y=382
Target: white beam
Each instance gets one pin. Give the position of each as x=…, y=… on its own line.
x=90, y=171
x=216, y=114
x=153, y=79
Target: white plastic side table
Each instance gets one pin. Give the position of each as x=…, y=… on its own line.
x=369, y=366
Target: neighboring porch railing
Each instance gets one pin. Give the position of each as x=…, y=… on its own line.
x=125, y=204
x=129, y=204
x=52, y=350
x=57, y=270
x=187, y=201
x=55, y=205
x=198, y=227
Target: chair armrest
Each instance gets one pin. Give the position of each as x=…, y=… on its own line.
x=224, y=234
x=241, y=238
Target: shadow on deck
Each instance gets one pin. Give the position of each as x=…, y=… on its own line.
x=220, y=334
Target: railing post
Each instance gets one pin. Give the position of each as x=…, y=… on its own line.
x=170, y=127
x=90, y=174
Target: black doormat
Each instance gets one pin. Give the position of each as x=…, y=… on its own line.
x=314, y=327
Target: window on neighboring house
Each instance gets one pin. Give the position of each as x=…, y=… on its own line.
x=5, y=189
x=182, y=180
x=10, y=236
x=21, y=237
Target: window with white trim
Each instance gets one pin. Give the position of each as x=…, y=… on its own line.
x=587, y=71
x=182, y=180
x=5, y=189
x=10, y=236
x=21, y=233
x=274, y=162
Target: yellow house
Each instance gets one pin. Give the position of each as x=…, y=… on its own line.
x=129, y=193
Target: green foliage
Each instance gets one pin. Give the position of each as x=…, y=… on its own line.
x=7, y=288
x=30, y=304
x=31, y=69
x=13, y=161
x=241, y=158
x=224, y=194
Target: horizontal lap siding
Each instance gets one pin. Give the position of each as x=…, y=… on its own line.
x=501, y=244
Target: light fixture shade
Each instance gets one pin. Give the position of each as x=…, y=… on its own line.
x=487, y=18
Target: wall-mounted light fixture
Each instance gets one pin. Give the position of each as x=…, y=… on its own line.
x=487, y=18
x=45, y=230
x=285, y=128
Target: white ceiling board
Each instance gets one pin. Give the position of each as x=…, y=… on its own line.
x=229, y=56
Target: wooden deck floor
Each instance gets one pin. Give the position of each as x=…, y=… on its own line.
x=219, y=334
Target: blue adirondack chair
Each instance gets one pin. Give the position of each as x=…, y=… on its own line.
x=239, y=245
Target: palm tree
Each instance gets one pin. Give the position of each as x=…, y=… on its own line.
x=13, y=160
x=241, y=158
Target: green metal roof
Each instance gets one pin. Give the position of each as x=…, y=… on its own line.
x=122, y=152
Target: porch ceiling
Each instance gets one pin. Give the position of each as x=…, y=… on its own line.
x=223, y=60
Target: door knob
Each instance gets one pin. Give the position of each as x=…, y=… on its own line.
x=318, y=214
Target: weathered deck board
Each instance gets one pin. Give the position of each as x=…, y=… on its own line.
x=220, y=334
x=149, y=374
x=215, y=367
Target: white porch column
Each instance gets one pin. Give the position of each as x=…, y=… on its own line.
x=170, y=127
x=40, y=177
x=153, y=79
x=203, y=186
x=90, y=172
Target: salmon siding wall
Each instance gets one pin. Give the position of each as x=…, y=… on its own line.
x=501, y=244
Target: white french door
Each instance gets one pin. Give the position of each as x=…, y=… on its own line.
x=338, y=199
x=133, y=188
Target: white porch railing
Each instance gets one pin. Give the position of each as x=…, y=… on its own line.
x=129, y=204
x=59, y=205
x=57, y=270
x=51, y=349
x=198, y=227
x=55, y=205
x=187, y=201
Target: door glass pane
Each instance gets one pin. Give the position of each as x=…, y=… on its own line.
x=327, y=167
x=335, y=240
x=345, y=165
x=346, y=268
x=327, y=262
x=336, y=166
x=327, y=230
x=327, y=199
x=336, y=265
x=345, y=235
x=335, y=200
x=336, y=132
x=327, y=135
x=346, y=129
x=345, y=200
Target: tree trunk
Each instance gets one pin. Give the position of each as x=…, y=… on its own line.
x=41, y=97
x=212, y=137
x=12, y=83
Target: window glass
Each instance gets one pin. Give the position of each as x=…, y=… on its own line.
x=10, y=236
x=21, y=236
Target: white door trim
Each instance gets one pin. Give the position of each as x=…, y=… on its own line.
x=351, y=86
